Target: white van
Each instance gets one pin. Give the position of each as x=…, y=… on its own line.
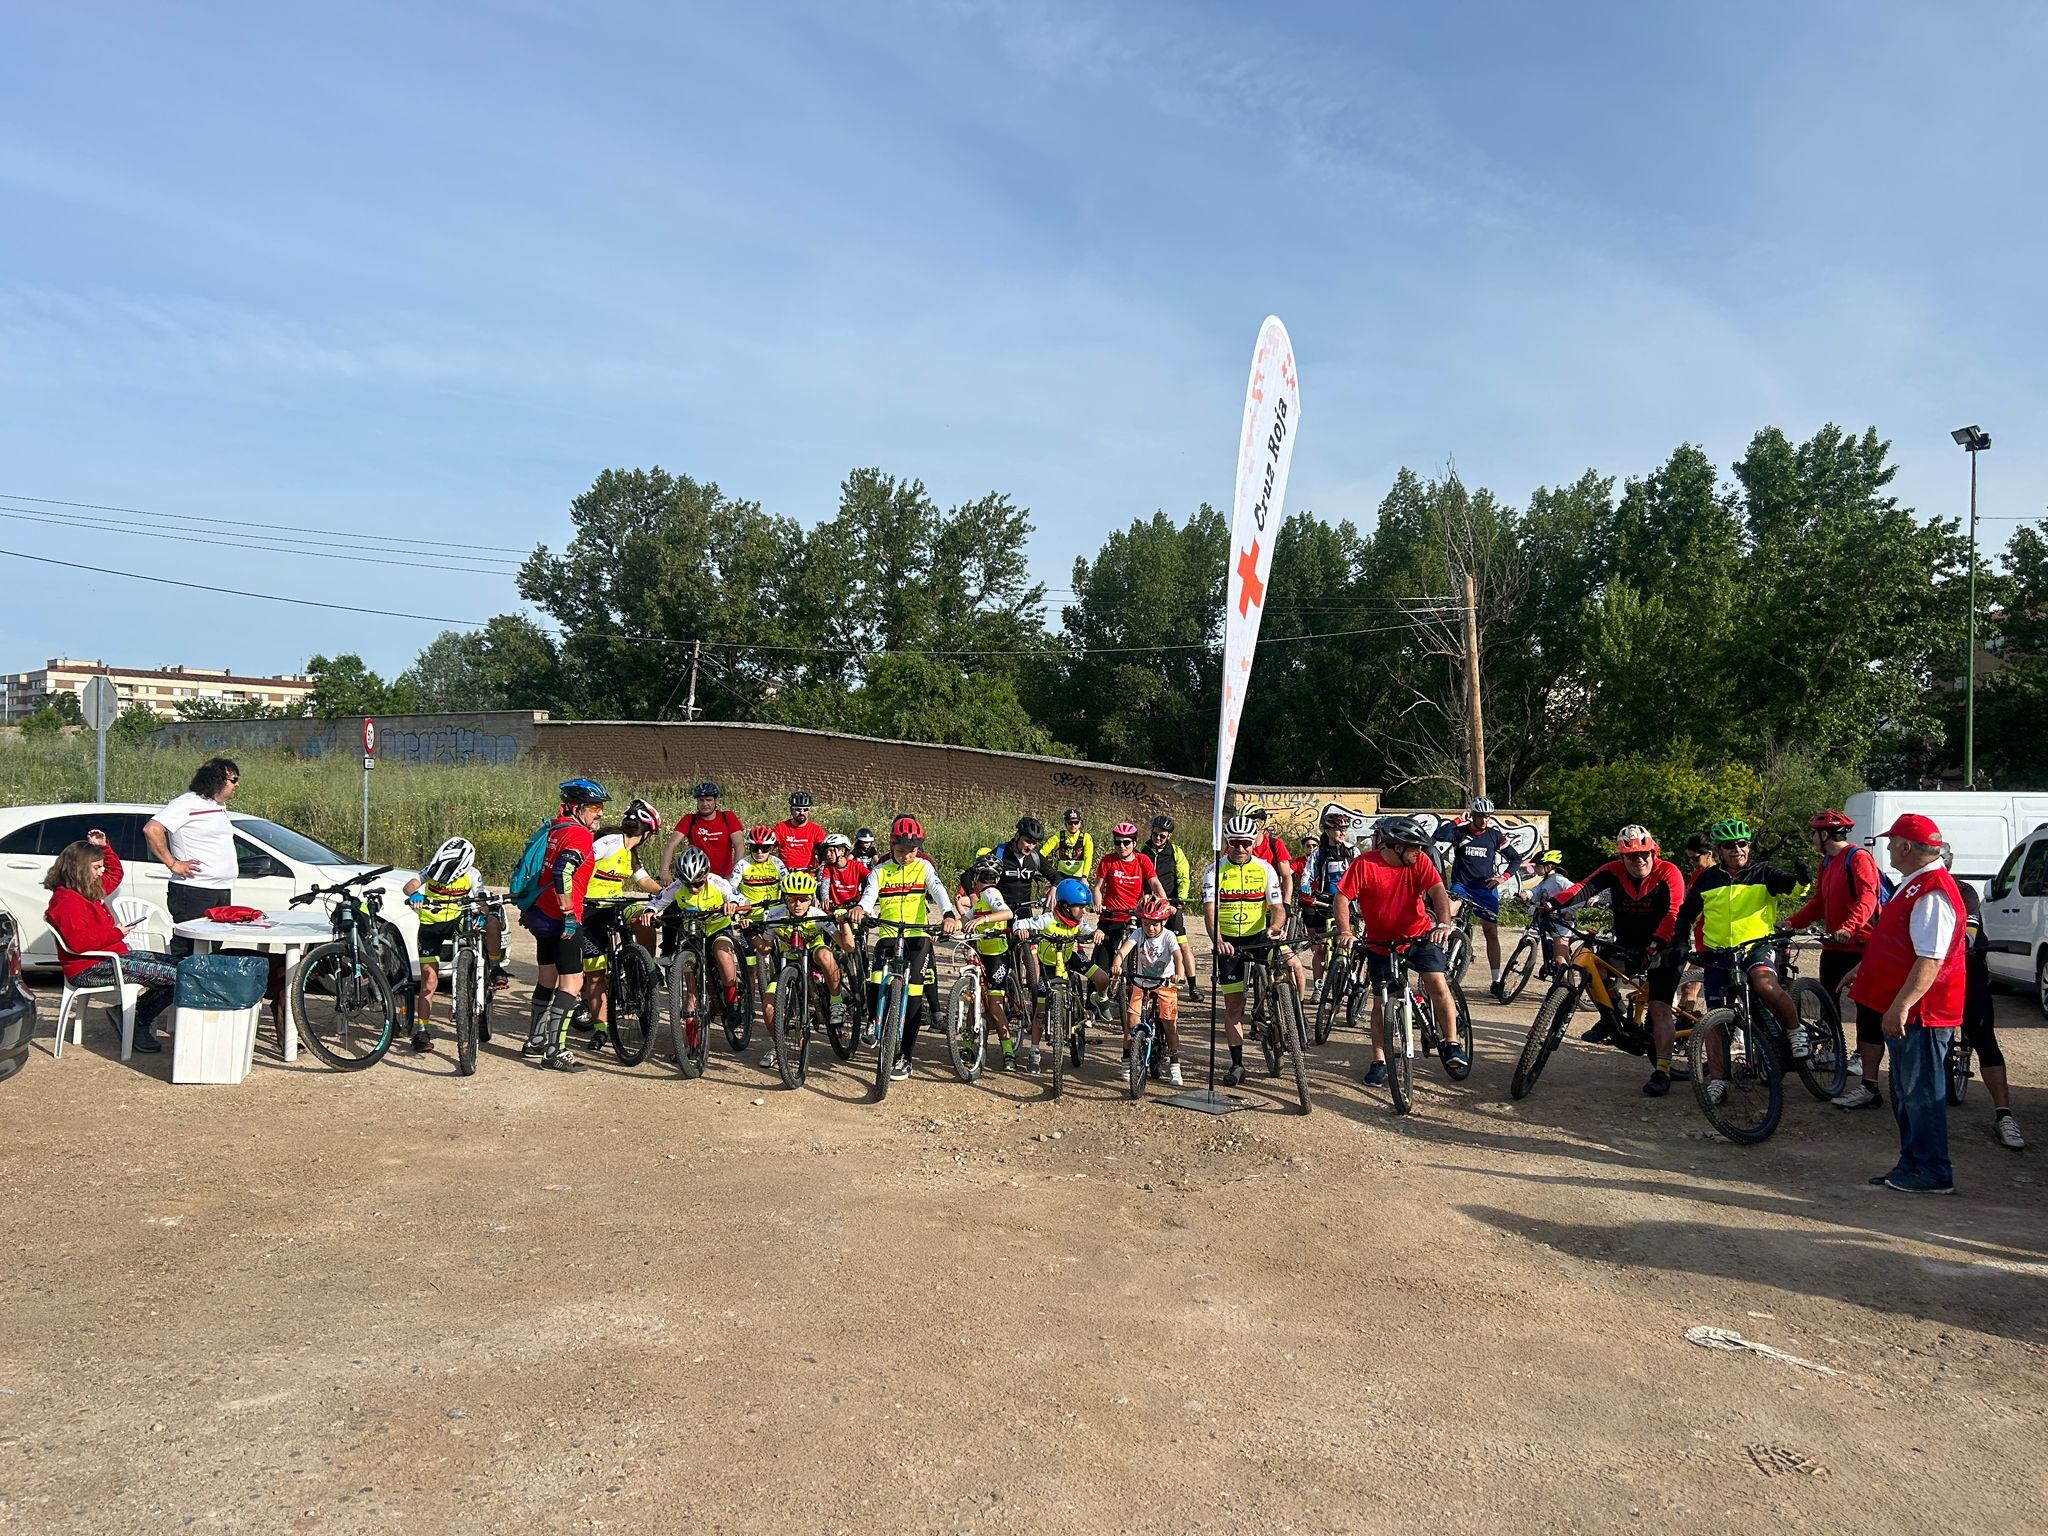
x=2015, y=918
x=1982, y=826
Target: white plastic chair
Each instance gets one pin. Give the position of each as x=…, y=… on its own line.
x=152, y=928
x=125, y=991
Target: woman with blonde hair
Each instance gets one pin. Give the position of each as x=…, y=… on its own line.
x=79, y=882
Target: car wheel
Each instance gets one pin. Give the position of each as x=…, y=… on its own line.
x=2041, y=983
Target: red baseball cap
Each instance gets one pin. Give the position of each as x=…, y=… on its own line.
x=1915, y=829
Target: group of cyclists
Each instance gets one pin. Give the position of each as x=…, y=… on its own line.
x=1055, y=907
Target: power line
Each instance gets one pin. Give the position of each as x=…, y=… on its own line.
x=269, y=597
x=182, y=517
x=443, y=561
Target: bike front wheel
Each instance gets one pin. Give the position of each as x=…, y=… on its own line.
x=966, y=1025
x=1287, y=1005
x=1400, y=1044
x=1958, y=1073
x=889, y=1035
x=1056, y=1037
x=689, y=1037
x=792, y=1026
x=1458, y=953
x=470, y=1001
x=635, y=1009
x=1514, y=977
x=1545, y=1035
x=344, y=1006
x=1736, y=1078
x=1137, y=1068
x=739, y=1017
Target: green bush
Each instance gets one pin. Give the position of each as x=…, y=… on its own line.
x=1672, y=795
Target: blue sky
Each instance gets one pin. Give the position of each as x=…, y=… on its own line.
x=424, y=270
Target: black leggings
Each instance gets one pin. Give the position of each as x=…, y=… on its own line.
x=1977, y=1010
x=918, y=974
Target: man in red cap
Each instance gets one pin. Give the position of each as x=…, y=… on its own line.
x=1913, y=974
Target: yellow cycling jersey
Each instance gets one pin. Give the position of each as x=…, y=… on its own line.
x=1242, y=893
x=903, y=894
x=613, y=868
x=990, y=909
x=1052, y=957
x=1074, y=855
x=443, y=903
x=795, y=933
x=708, y=899
x=760, y=883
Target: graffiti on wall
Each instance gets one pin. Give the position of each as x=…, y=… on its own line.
x=445, y=744
x=1528, y=831
x=1295, y=813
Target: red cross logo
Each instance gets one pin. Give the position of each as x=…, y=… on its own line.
x=1253, y=592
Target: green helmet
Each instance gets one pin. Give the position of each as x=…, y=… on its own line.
x=1733, y=830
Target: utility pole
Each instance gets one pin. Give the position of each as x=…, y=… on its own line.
x=1478, y=724
x=690, y=706
x=1973, y=441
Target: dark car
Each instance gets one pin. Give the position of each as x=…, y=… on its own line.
x=17, y=1004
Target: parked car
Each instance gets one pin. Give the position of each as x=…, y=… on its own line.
x=2014, y=915
x=274, y=864
x=17, y=1003
x=1981, y=825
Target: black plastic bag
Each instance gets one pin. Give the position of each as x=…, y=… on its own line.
x=222, y=981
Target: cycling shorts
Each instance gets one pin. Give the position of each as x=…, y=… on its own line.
x=1111, y=938
x=1719, y=970
x=563, y=953
x=1425, y=958
x=995, y=968
x=437, y=941
x=1483, y=899
x=1315, y=919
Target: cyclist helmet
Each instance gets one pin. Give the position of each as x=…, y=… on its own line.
x=1153, y=909
x=761, y=837
x=691, y=866
x=838, y=840
x=1163, y=823
x=864, y=840
x=1733, y=830
x=1031, y=827
x=906, y=829
x=1634, y=838
x=1553, y=858
x=1402, y=832
x=1125, y=829
x=644, y=815
x=1072, y=893
x=1256, y=811
x=706, y=790
x=800, y=882
x=800, y=800
x=451, y=861
x=1071, y=817
x=982, y=872
x=583, y=792
x=1240, y=829
x=1480, y=807
x=1830, y=821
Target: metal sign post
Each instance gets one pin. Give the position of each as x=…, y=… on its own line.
x=102, y=706
x=369, y=763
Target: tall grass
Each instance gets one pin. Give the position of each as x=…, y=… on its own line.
x=413, y=809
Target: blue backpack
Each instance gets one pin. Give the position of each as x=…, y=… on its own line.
x=531, y=870
x=1885, y=883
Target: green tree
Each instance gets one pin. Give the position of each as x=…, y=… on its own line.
x=508, y=664
x=344, y=686
x=138, y=722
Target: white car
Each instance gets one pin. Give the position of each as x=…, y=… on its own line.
x=274, y=864
x=2014, y=915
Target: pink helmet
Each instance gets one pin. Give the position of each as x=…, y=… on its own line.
x=1125, y=829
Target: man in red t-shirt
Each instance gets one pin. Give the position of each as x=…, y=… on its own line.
x=1123, y=878
x=797, y=839
x=721, y=834
x=556, y=922
x=1396, y=890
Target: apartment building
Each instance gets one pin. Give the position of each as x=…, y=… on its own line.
x=163, y=689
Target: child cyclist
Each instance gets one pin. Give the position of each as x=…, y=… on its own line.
x=1157, y=964
x=713, y=901
x=989, y=921
x=436, y=895
x=616, y=873
x=795, y=927
x=1064, y=924
x=1557, y=945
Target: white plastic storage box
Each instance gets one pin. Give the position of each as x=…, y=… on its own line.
x=214, y=1045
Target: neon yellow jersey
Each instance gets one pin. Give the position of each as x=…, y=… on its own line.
x=903, y=894
x=613, y=867
x=443, y=903
x=1074, y=855
x=1052, y=957
x=1242, y=892
x=990, y=908
x=794, y=934
x=709, y=899
x=760, y=883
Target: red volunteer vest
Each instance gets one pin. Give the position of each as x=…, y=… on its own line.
x=1888, y=954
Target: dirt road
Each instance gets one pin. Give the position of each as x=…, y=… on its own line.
x=403, y=1301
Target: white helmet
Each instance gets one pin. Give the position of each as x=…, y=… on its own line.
x=451, y=861
x=1480, y=807
x=1240, y=826
x=839, y=840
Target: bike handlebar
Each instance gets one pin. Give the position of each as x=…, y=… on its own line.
x=317, y=891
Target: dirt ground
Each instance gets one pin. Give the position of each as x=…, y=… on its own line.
x=402, y=1301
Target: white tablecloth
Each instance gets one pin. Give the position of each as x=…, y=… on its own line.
x=289, y=933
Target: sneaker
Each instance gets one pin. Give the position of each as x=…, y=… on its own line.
x=1545, y=971
x=2007, y=1131
x=1497, y=992
x=1452, y=1053
x=868, y=1036
x=500, y=978
x=421, y=1040
x=1034, y=1060
x=1917, y=1186
x=1376, y=1075
x=1658, y=1085
x=1173, y=1076
x=1235, y=1075
x=1717, y=1090
x=900, y=1071
x=561, y=1061
x=1194, y=990
x=1861, y=1096
x=600, y=1040
x=535, y=1044
x=1599, y=1034
x=1800, y=1042
x=768, y=1060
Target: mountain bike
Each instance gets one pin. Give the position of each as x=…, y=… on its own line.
x=1281, y=1029
x=893, y=981
x=1531, y=951
x=696, y=999
x=801, y=994
x=1066, y=1011
x=845, y=1025
x=1739, y=1052
x=966, y=1018
x=1148, y=1043
x=1408, y=1018
x=632, y=981
x=346, y=1009
x=1610, y=977
x=1458, y=947
x=470, y=994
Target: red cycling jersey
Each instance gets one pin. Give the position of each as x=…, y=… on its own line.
x=1643, y=910
x=1123, y=884
x=713, y=834
x=842, y=887
x=566, y=836
x=1389, y=897
x=796, y=845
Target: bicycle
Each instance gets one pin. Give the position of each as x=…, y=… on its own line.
x=346, y=978
x=1281, y=1029
x=1066, y=1012
x=470, y=994
x=1148, y=1043
x=1739, y=1051
x=894, y=983
x=632, y=979
x=1406, y=1014
x=1531, y=951
x=966, y=1016
x=1597, y=972
x=845, y=1025
x=800, y=991
x=1334, y=993
x=691, y=973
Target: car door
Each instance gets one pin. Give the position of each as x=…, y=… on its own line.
x=2012, y=910
x=262, y=878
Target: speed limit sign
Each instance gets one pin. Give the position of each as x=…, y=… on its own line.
x=369, y=737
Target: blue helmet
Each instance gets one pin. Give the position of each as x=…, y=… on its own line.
x=583, y=792
x=1073, y=893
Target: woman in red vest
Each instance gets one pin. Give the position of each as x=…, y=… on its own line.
x=1913, y=974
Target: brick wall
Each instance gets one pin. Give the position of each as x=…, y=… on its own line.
x=498, y=736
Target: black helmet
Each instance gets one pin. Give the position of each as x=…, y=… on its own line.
x=1031, y=827
x=800, y=800
x=706, y=789
x=1402, y=832
x=864, y=838
x=1162, y=823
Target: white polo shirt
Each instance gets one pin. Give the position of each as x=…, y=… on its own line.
x=199, y=831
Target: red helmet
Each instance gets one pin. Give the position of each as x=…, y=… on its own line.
x=1830, y=821
x=1153, y=909
x=761, y=837
x=1635, y=839
x=906, y=829
x=1125, y=829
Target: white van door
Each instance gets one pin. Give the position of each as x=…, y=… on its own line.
x=2013, y=910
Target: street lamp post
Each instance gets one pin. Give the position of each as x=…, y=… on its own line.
x=1973, y=441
